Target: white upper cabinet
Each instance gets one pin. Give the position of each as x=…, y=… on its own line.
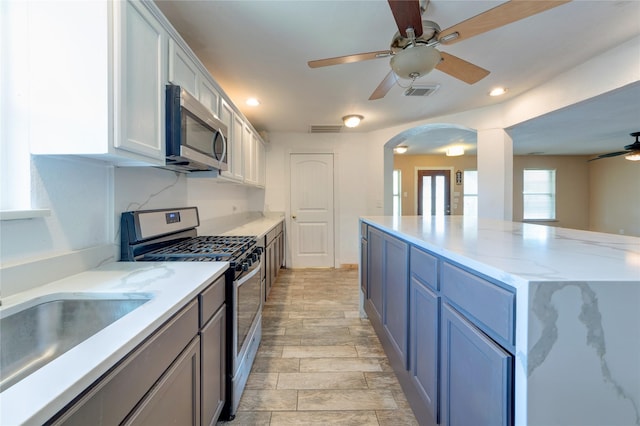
x=182, y=70
x=208, y=95
x=107, y=100
x=254, y=158
x=139, y=81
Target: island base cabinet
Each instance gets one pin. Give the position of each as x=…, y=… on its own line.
x=424, y=326
x=175, y=400
x=476, y=375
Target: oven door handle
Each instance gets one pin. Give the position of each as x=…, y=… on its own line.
x=244, y=278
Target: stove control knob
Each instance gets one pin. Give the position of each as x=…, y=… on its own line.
x=245, y=266
x=238, y=267
x=258, y=250
x=254, y=256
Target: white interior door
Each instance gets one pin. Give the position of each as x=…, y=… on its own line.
x=312, y=221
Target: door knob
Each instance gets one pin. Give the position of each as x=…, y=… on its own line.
x=293, y=217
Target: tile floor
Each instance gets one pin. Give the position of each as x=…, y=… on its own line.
x=319, y=363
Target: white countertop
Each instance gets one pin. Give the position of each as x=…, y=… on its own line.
x=258, y=227
x=171, y=285
x=520, y=253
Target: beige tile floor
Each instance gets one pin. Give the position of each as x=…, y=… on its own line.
x=319, y=363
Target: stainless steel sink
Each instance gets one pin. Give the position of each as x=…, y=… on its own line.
x=32, y=335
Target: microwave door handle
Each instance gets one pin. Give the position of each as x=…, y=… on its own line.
x=224, y=145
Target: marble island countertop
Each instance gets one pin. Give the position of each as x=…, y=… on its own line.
x=577, y=313
x=170, y=285
x=520, y=253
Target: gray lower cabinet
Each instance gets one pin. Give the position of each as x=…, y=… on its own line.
x=476, y=375
x=175, y=399
x=375, y=263
x=176, y=376
x=115, y=396
x=424, y=342
x=449, y=332
x=274, y=256
x=213, y=312
x=396, y=295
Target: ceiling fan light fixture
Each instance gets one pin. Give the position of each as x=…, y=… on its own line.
x=415, y=61
x=352, y=120
x=633, y=156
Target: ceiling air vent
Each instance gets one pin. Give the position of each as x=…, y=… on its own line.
x=331, y=128
x=421, y=90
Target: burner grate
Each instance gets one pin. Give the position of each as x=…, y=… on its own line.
x=204, y=248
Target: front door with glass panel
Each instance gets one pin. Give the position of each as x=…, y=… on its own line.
x=434, y=192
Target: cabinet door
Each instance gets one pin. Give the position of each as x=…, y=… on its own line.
x=396, y=294
x=260, y=162
x=139, y=82
x=208, y=95
x=476, y=375
x=175, y=399
x=424, y=329
x=213, y=368
x=249, y=152
x=182, y=70
x=269, y=261
x=376, y=249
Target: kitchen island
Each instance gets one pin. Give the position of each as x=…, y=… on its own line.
x=542, y=322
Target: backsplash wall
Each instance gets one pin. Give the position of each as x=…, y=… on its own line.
x=86, y=198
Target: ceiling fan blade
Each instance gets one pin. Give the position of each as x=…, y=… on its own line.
x=407, y=15
x=499, y=16
x=611, y=154
x=461, y=69
x=384, y=87
x=349, y=58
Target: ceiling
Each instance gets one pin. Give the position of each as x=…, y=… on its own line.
x=261, y=49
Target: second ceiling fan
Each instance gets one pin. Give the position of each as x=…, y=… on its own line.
x=413, y=53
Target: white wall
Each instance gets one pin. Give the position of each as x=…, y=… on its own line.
x=355, y=180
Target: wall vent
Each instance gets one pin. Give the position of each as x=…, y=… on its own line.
x=421, y=90
x=331, y=128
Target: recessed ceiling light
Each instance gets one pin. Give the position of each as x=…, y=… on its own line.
x=498, y=91
x=400, y=149
x=455, y=151
x=252, y=102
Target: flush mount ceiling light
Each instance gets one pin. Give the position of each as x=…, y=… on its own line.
x=400, y=149
x=252, y=102
x=455, y=151
x=498, y=91
x=352, y=120
x=415, y=61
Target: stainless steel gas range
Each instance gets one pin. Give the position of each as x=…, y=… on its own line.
x=170, y=235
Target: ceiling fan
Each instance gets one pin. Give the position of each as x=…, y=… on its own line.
x=412, y=49
x=632, y=151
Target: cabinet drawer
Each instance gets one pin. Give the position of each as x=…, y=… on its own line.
x=490, y=307
x=211, y=299
x=425, y=267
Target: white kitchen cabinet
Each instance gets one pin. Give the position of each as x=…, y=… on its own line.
x=208, y=95
x=183, y=71
x=234, y=125
x=107, y=100
x=254, y=158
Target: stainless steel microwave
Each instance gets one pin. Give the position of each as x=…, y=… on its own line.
x=196, y=139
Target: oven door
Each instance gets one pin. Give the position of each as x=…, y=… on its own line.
x=248, y=303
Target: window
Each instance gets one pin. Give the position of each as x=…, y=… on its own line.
x=470, y=193
x=539, y=194
x=397, y=190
